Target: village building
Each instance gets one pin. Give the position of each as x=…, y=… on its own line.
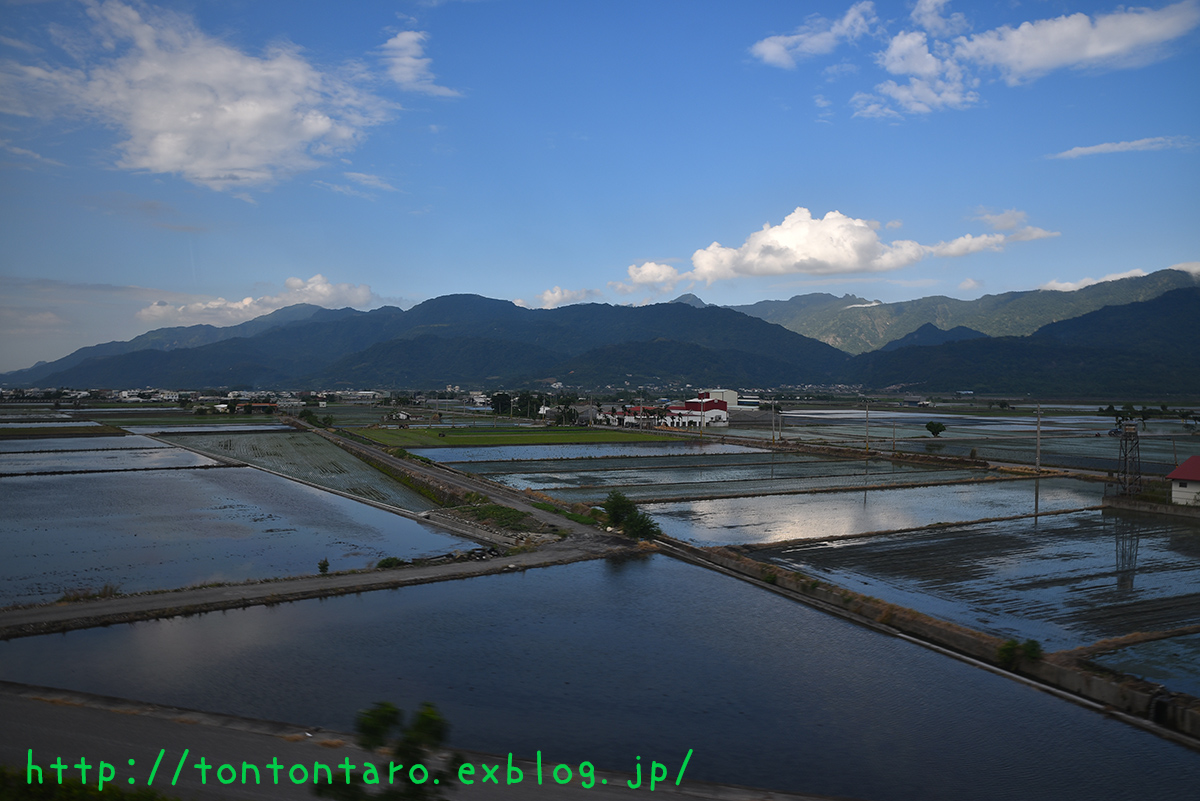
x=702, y=411
x=1185, y=482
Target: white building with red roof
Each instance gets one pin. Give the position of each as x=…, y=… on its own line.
x=1185, y=482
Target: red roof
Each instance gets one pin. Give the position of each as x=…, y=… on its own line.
x=1188, y=471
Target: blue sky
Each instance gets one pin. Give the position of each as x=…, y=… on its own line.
x=205, y=162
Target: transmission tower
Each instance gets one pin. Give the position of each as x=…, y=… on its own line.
x=1129, y=471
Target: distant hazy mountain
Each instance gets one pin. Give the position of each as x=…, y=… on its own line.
x=930, y=334
x=165, y=339
x=468, y=338
x=858, y=325
x=690, y=300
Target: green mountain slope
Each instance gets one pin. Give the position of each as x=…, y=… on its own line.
x=856, y=325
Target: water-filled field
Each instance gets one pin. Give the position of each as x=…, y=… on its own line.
x=1174, y=662
x=308, y=457
x=78, y=444
x=610, y=661
x=1064, y=580
x=96, y=460
x=819, y=515
x=589, y=450
x=161, y=529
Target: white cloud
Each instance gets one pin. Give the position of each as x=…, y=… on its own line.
x=192, y=105
x=817, y=36
x=942, y=68
x=928, y=14
x=1071, y=286
x=408, y=66
x=552, y=298
x=833, y=245
x=648, y=275
x=970, y=284
x=1152, y=143
x=934, y=83
x=1124, y=38
x=1192, y=267
x=221, y=312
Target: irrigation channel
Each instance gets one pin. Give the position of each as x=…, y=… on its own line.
x=637, y=654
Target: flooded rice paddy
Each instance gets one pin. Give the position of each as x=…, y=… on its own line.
x=119, y=517
x=307, y=457
x=78, y=444
x=1064, y=580
x=596, y=450
x=1174, y=663
x=107, y=460
x=609, y=661
x=820, y=515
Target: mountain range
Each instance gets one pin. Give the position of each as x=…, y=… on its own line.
x=857, y=325
x=1138, y=349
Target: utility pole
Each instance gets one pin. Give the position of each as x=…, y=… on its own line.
x=1037, y=458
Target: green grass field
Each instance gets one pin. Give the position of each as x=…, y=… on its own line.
x=473, y=436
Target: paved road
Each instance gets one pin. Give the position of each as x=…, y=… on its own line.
x=55, y=723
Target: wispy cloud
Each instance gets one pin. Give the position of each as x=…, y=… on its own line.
x=317, y=290
x=9, y=147
x=1071, y=286
x=553, y=298
x=1151, y=143
x=817, y=36
x=373, y=181
x=408, y=66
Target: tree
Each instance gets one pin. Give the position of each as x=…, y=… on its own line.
x=414, y=747
x=502, y=403
x=618, y=508
x=934, y=427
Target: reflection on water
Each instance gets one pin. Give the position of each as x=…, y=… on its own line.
x=813, y=516
x=165, y=529
x=1127, y=536
x=649, y=657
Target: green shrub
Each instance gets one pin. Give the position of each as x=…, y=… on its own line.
x=641, y=526
x=323, y=566
x=1008, y=654
x=390, y=562
x=545, y=507
x=1031, y=650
